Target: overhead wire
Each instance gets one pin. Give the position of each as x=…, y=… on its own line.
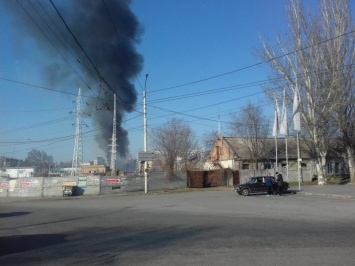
x=48, y=39
x=84, y=51
x=119, y=39
x=219, y=75
x=252, y=65
x=71, y=49
x=46, y=145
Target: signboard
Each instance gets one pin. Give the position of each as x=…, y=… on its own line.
x=82, y=181
x=4, y=185
x=25, y=184
x=69, y=184
x=144, y=156
x=113, y=181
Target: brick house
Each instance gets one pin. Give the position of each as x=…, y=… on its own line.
x=235, y=153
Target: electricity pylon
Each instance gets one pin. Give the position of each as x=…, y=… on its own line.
x=78, y=145
x=113, y=140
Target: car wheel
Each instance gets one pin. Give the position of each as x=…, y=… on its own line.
x=245, y=192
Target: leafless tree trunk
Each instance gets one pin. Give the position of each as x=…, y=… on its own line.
x=173, y=140
x=253, y=127
x=315, y=58
x=209, y=139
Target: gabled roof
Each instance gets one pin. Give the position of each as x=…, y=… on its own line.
x=240, y=150
x=237, y=146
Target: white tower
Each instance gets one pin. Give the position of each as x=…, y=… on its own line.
x=78, y=145
x=113, y=139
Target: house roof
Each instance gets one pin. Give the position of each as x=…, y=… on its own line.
x=240, y=149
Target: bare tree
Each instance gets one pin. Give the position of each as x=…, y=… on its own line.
x=174, y=140
x=339, y=60
x=40, y=160
x=315, y=56
x=253, y=127
x=346, y=122
x=208, y=140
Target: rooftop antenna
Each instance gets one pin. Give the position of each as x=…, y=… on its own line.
x=219, y=132
x=219, y=127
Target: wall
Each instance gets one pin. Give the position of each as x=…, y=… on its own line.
x=48, y=186
x=91, y=185
x=306, y=174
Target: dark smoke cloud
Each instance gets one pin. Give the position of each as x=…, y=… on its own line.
x=110, y=48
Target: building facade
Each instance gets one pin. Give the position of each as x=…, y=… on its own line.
x=237, y=154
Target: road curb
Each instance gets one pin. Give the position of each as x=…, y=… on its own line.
x=310, y=194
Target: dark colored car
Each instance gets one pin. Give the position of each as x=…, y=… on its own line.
x=257, y=185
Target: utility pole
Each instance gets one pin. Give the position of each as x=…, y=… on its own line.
x=145, y=134
x=113, y=139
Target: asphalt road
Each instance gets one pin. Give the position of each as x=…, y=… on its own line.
x=189, y=228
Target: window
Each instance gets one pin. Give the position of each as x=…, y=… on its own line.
x=245, y=166
x=336, y=168
x=329, y=168
x=267, y=166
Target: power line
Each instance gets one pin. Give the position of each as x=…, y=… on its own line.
x=45, y=35
x=82, y=48
x=59, y=91
x=253, y=65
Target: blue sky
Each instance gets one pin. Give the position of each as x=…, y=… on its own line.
x=182, y=41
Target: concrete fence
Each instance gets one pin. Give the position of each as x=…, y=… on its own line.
x=85, y=185
x=49, y=186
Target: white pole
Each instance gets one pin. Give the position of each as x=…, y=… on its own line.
x=298, y=163
x=286, y=159
x=145, y=134
x=276, y=154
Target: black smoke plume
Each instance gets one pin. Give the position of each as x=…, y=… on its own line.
x=88, y=44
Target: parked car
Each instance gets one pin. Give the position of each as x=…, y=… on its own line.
x=257, y=185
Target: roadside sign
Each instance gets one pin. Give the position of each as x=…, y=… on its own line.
x=144, y=156
x=69, y=184
x=113, y=181
x=82, y=181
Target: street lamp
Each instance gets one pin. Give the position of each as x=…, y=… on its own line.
x=145, y=134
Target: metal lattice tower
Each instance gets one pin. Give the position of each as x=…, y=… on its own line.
x=78, y=145
x=113, y=139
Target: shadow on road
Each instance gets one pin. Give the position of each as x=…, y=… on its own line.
x=12, y=214
x=285, y=193
x=21, y=243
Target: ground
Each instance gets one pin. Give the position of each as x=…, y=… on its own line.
x=206, y=227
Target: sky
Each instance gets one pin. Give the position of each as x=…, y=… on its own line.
x=200, y=57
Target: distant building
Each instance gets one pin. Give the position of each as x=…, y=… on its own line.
x=95, y=169
x=99, y=161
x=9, y=162
x=17, y=172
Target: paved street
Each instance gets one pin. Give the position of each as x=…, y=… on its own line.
x=208, y=227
